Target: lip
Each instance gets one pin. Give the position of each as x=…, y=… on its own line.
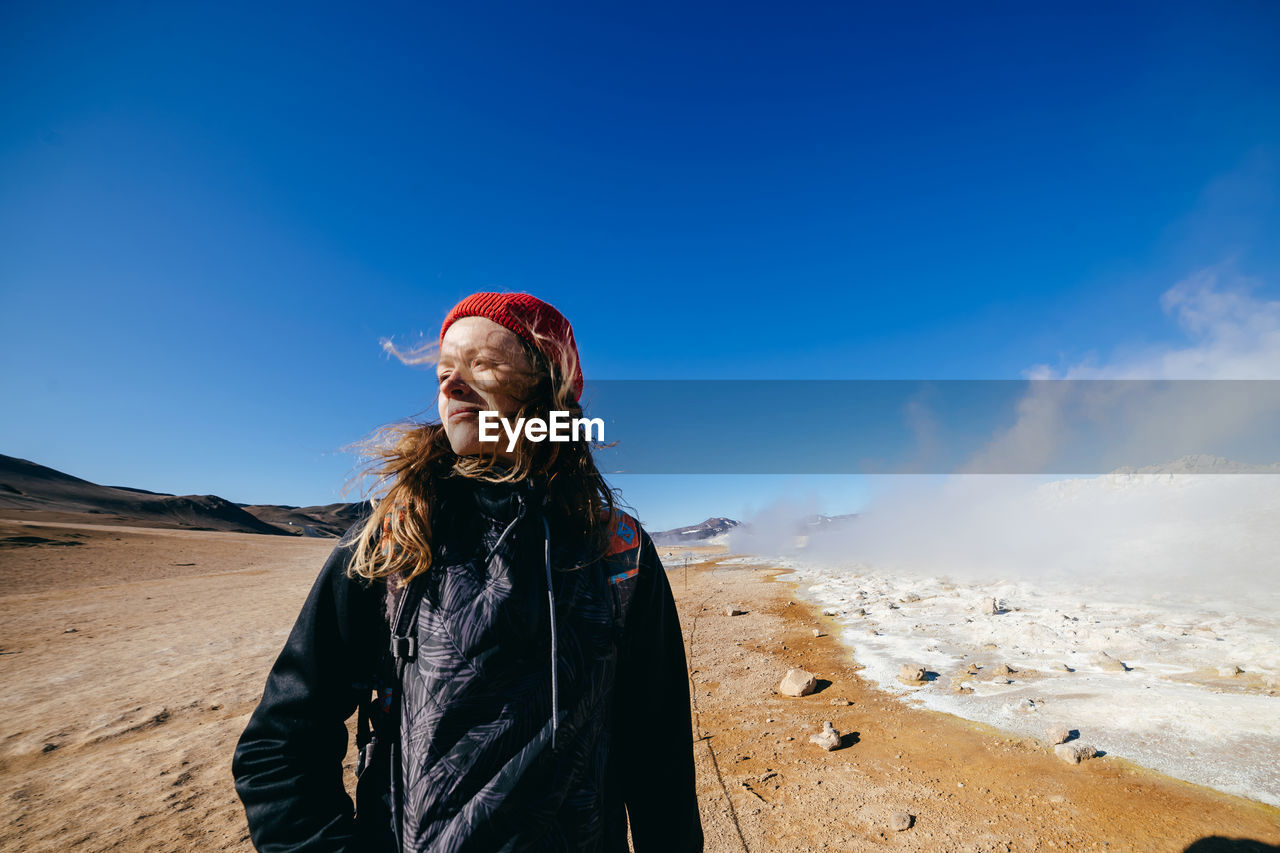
x=459, y=414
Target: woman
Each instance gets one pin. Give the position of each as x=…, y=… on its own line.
x=518, y=635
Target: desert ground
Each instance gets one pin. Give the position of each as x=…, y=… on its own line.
x=132, y=658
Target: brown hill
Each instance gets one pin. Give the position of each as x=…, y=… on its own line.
x=34, y=492
x=327, y=520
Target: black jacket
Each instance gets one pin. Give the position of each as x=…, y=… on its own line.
x=479, y=769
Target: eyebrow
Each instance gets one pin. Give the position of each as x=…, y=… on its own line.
x=470, y=352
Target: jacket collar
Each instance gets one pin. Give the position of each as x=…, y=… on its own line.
x=499, y=501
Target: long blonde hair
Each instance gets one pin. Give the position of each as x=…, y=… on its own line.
x=408, y=461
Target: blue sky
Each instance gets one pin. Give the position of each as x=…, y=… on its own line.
x=212, y=214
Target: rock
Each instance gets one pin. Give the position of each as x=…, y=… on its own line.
x=1058, y=734
x=1062, y=667
x=841, y=702
x=973, y=669
x=1005, y=669
x=817, y=632
x=1074, y=753
x=828, y=738
x=911, y=672
x=990, y=607
x=859, y=612
x=829, y=612
x=1229, y=671
x=909, y=597
x=901, y=821
x=734, y=611
x=798, y=682
x=1107, y=663
x=1000, y=679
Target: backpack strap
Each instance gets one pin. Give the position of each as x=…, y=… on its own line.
x=624, y=534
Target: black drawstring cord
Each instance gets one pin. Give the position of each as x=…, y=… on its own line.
x=551, y=600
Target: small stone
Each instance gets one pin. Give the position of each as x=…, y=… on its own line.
x=844, y=702
x=49, y=747
x=829, y=612
x=1001, y=680
x=828, y=738
x=1062, y=667
x=734, y=611
x=859, y=612
x=1107, y=663
x=71, y=631
x=909, y=597
x=911, y=672
x=990, y=607
x=1074, y=753
x=1005, y=669
x=901, y=821
x=973, y=669
x=817, y=632
x=1229, y=671
x=1058, y=734
x=798, y=682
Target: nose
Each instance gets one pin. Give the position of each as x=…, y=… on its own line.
x=454, y=386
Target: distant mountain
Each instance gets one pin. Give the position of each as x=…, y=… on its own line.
x=31, y=491
x=826, y=522
x=327, y=520
x=706, y=530
x=1200, y=463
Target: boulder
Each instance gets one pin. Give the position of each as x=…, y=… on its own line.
x=1074, y=753
x=911, y=672
x=1107, y=663
x=1058, y=734
x=828, y=738
x=798, y=682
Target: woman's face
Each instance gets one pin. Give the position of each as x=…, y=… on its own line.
x=483, y=366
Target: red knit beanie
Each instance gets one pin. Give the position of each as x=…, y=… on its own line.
x=529, y=317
